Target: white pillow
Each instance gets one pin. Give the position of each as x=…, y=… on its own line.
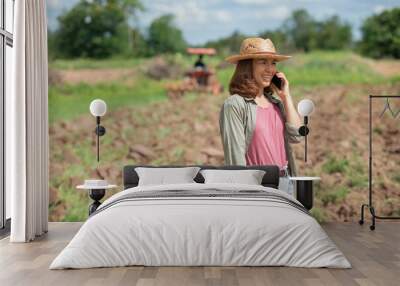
x=163, y=176
x=249, y=177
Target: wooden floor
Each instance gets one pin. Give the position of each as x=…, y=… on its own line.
x=375, y=257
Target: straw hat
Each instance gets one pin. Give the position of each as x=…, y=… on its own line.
x=257, y=48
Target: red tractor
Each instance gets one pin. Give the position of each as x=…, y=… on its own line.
x=198, y=79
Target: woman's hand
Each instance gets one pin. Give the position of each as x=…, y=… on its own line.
x=284, y=92
x=291, y=114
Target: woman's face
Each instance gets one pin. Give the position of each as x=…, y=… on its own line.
x=263, y=71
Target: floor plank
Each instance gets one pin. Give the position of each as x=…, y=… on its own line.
x=374, y=255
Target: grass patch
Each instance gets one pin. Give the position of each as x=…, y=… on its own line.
x=327, y=68
x=73, y=64
x=357, y=179
x=76, y=201
x=396, y=178
x=224, y=77
x=393, y=80
x=322, y=68
x=333, y=197
x=377, y=130
x=163, y=132
x=86, y=153
x=318, y=214
x=335, y=165
x=178, y=153
x=69, y=101
x=356, y=174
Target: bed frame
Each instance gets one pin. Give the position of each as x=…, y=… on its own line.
x=270, y=179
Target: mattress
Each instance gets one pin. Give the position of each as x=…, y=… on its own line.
x=201, y=225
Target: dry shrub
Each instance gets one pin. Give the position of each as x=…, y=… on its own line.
x=55, y=77
x=159, y=68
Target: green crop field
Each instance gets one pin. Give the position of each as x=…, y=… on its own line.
x=124, y=84
x=67, y=101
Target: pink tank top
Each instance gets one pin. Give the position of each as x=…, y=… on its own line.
x=267, y=146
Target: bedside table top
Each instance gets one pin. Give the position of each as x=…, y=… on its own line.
x=304, y=178
x=85, y=187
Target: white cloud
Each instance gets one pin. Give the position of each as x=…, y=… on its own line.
x=197, y=19
x=273, y=13
x=378, y=9
x=223, y=16
x=252, y=2
x=53, y=3
x=188, y=13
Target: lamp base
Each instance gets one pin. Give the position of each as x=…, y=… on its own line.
x=96, y=195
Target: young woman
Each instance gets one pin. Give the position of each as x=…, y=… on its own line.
x=256, y=126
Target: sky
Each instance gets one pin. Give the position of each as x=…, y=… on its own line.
x=204, y=20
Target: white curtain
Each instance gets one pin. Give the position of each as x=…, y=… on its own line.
x=27, y=124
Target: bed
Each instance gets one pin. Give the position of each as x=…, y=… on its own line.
x=201, y=224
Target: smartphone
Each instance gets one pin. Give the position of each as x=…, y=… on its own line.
x=277, y=81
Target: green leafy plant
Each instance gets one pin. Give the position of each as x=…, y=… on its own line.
x=334, y=196
x=318, y=214
x=335, y=165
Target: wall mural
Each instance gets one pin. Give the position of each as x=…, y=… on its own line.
x=164, y=97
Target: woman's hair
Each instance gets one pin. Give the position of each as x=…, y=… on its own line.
x=243, y=82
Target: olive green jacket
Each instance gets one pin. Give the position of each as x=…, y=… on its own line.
x=237, y=121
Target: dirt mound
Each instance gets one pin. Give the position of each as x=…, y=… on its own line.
x=94, y=76
x=160, y=68
x=186, y=131
x=385, y=67
x=55, y=77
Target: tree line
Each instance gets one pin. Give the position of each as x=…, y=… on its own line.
x=101, y=29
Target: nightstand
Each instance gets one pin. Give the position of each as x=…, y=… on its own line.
x=304, y=190
x=96, y=193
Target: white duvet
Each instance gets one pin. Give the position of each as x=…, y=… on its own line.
x=183, y=231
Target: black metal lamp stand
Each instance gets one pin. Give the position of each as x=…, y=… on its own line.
x=303, y=130
x=370, y=204
x=100, y=131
